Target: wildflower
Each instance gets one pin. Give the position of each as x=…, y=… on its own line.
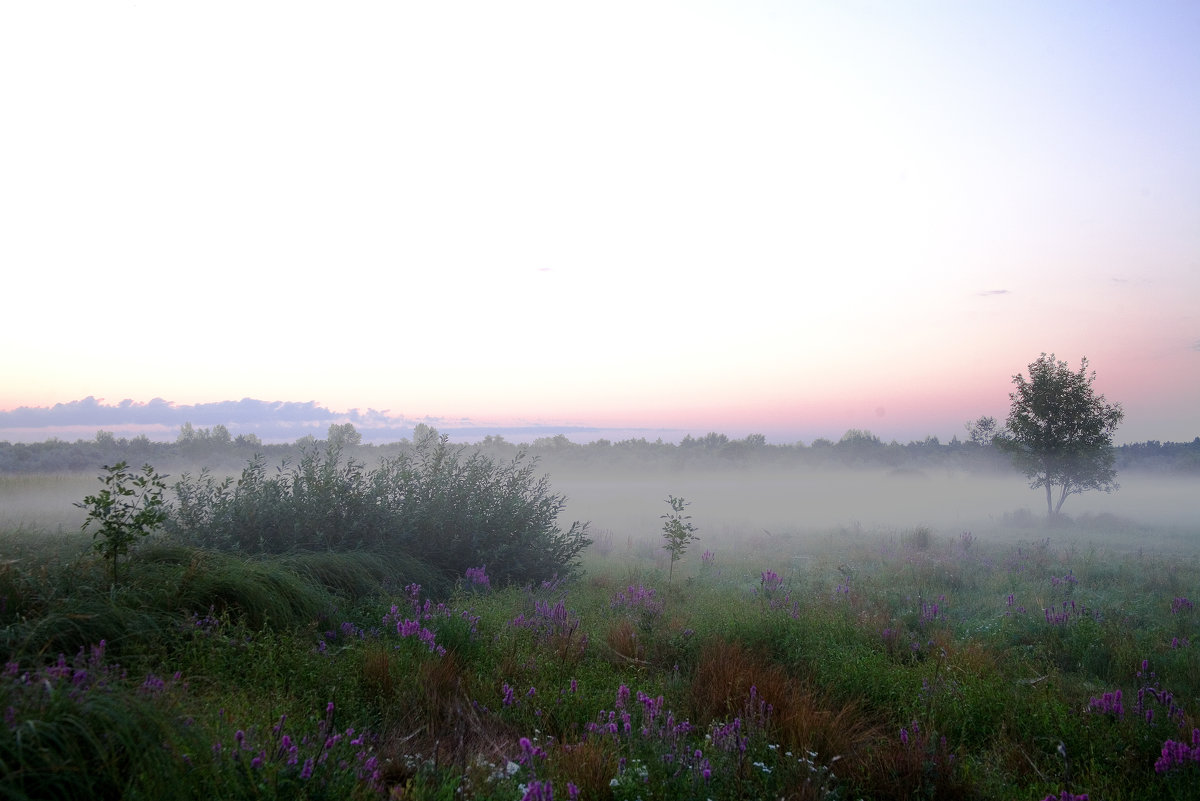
x=306, y=771
x=529, y=751
x=638, y=597
x=1109, y=703
x=479, y=577
x=153, y=685
x=1175, y=753
x=771, y=581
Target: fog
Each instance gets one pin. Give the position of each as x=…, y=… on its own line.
x=751, y=507
x=41, y=501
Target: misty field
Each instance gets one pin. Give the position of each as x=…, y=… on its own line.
x=854, y=635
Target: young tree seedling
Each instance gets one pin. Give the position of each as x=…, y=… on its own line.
x=677, y=531
x=130, y=506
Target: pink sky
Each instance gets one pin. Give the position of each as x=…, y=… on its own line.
x=781, y=218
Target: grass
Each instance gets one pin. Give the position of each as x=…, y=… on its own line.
x=908, y=664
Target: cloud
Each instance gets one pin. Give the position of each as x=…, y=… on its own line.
x=271, y=421
x=1135, y=281
x=987, y=292
x=93, y=411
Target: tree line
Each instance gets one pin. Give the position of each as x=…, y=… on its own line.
x=217, y=449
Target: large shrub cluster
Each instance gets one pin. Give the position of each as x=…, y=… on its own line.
x=451, y=508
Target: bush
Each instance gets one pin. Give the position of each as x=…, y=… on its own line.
x=446, y=508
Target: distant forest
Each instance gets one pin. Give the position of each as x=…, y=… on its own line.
x=215, y=449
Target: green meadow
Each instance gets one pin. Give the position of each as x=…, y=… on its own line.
x=1002, y=657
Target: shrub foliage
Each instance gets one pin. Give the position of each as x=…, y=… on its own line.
x=450, y=508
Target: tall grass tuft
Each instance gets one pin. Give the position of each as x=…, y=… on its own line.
x=262, y=592
x=363, y=575
x=103, y=746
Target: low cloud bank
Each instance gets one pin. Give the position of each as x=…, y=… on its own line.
x=271, y=421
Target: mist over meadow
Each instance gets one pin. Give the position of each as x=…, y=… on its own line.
x=740, y=490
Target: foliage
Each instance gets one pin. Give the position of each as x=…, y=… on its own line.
x=678, y=531
x=130, y=506
x=343, y=436
x=1059, y=431
x=899, y=665
x=439, y=504
x=982, y=432
x=215, y=449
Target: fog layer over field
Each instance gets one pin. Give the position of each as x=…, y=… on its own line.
x=44, y=501
x=752, y=505
x=745, y=505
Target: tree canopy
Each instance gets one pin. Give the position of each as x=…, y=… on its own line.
x=1059, y=431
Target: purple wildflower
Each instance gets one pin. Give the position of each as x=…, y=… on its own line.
x=538, y=791
x=478, y=576
x=1108, y=704
x=1175, y=754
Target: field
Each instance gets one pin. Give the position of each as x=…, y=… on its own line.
x=853, y=636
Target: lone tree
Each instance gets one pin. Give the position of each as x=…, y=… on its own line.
x=1059, y=431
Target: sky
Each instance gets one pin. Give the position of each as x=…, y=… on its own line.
x=784, y=218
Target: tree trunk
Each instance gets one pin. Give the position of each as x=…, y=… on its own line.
x=1061, y=498
x=1049, y=499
